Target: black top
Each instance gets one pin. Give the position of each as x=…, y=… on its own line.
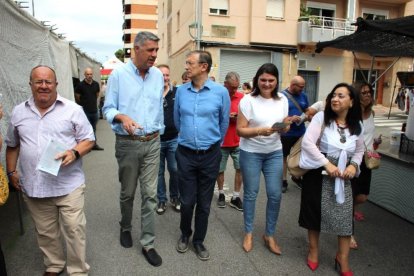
x=170, y=130
x=88, y=95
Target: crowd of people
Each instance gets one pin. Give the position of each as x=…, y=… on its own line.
x=192, y=130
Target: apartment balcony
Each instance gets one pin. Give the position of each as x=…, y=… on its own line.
x=314, y=29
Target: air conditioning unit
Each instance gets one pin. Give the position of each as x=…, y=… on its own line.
x=302, y=64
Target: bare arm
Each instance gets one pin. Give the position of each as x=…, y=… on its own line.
x=83, y=147
x=12, y=155
x=243, y=129
x=77, y=98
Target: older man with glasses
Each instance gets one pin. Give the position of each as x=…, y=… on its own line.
x=201, y=116
x=41, y=126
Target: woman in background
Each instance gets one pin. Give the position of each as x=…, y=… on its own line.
x=247, y=88
x=326, y=201
x=361, y=184
x=261, y=150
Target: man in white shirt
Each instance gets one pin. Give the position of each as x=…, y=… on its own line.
x=54, y=202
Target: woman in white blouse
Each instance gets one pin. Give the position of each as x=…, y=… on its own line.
x=361, y=184
x=326, y=202
x=262, y=116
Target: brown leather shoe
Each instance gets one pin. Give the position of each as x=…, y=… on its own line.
x=271, y=244
x=248, y=242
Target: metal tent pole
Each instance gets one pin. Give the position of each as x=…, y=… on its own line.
x=392, y=97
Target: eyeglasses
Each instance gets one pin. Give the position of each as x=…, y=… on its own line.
x=40, y=82
x=366, y=93
x=192, y=63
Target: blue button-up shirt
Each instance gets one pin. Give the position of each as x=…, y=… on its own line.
x=201, y=117
x=141, y=99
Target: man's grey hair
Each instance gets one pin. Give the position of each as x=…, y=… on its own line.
x=232, y=76
x=142, y=37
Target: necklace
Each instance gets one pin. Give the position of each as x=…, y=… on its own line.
x=341, y=131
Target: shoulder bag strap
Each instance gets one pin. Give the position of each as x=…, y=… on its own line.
x=318, y=142
x=287, y=94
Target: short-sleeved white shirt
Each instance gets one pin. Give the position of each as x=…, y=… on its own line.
x=262, y=112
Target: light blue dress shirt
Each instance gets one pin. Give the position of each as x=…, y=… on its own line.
x=201, y=117
x=141, y=99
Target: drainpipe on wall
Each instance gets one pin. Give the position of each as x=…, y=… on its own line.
x=350, y=14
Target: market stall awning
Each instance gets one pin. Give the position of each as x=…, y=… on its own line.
x=378, y=38
x=105, y=72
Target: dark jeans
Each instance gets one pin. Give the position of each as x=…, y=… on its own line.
x=101, y=104
x=93, y=119
x=197, y=174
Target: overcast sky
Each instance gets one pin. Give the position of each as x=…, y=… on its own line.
x=95, y=26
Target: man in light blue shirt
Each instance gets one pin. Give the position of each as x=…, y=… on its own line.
x=134, y=108
x=201, y=115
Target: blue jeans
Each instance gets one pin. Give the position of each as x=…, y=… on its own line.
x=167, y=153
x=271, y=164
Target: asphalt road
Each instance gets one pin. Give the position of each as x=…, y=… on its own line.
x=385, y=240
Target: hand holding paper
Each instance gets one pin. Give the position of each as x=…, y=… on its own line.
x=48, y=162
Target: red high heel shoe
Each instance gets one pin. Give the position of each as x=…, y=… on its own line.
x=312, y=265
x=338, y=268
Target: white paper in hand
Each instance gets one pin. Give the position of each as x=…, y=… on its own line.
x=302, y=119
x=47, y=162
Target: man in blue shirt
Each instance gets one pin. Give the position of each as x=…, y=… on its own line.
x=298, y=105
x=201, y=116
x=134, y=108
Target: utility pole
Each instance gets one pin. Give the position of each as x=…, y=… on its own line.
x=199, y=20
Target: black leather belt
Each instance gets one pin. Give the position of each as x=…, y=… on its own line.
x=143, y=138
x=200, y=151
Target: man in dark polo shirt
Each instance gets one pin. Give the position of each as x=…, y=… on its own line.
x=86, y=95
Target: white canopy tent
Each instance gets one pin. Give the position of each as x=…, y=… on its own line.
x=112, y=63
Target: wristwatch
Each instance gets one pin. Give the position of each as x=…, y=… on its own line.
x=77, y=155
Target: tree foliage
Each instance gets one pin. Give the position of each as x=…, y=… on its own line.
x=120, y=54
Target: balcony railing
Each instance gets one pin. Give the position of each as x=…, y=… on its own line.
x=313, y=29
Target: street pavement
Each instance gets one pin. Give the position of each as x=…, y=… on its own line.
x=386, y=242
